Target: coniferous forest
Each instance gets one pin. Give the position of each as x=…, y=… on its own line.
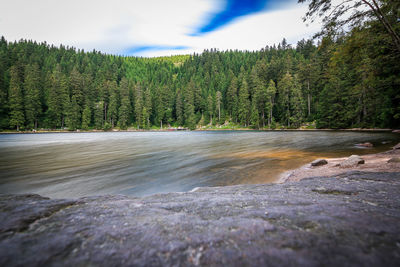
x=342, y=80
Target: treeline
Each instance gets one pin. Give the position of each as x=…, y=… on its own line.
x=344, y=81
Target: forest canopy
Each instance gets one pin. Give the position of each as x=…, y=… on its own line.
x=343, y=80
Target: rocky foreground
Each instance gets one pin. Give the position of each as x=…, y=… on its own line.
x=352, y=219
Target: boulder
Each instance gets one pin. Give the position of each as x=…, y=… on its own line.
x=352, y=161
x=397, y=146
x=319, y=162
x=366, y=144
x=394, y=160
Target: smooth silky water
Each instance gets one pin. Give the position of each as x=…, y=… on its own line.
x=68, y=165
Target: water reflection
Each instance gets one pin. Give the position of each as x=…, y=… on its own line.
x=143, y=163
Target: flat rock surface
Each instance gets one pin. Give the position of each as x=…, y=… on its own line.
x=352, y=219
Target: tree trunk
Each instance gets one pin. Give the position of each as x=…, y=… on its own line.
x=309, y=98
x=263, y=118
x=364, y=104
x=105, y=113
x=161, y=124
x=270, y=114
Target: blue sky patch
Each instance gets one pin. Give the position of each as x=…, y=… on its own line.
x=138, y=50
x=237, y=8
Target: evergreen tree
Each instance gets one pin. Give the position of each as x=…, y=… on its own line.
x=74, y=116
x=98, y=115
x=284, y=89
x=232, y=99
x=54, y=111
x=58, y=100
x=218, y=103
x=190, y=119
x=254, y=116
x=4, y=110
x=145, y=118
x=259, y=96
x=270, y=101
x=125, y=107
x=148, y=106
x=17, y=118
x=86, y=117
x=244, y=103
x=179, y=107
x=32, y=95
x=210, y=108
x=76, y=83
x=308, y=76
x=296, y=104
x=114, y=103
x=139, y=106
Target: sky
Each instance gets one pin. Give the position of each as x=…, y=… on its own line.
x=151, y=28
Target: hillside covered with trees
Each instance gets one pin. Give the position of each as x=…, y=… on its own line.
x=344, y=80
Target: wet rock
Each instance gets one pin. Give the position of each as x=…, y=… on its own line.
x=348, y=220
x=367, y=144
x=397, y=146
x=319, y=162
x=352, y=161
x=394, y=160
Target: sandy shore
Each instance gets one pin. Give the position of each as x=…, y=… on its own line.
x=373, y=163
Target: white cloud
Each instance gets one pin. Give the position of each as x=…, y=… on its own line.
x=115, y=26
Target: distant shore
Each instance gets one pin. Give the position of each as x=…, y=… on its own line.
x=205, y=129
x=378, y=162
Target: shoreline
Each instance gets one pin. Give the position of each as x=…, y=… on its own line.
x=206, y=130
x=377, y=162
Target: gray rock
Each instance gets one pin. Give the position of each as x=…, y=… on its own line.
x=348, y=220
x=352, y=161
x=397, y=146
x=319, y=162
x=394, y=160
x=367, y=144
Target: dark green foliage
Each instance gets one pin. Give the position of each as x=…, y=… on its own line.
x=124, y=109
x=86, y=117
x=244, y=104
x=73, y=120
x=114, y=104
x=346, y=80
x=33, y=105
x=99, y=115
x=16, y=97
x=189, y=115
x=284, y=91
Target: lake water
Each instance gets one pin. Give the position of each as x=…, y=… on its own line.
x=65, y=165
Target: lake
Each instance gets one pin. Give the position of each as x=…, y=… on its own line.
x=69, y=165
